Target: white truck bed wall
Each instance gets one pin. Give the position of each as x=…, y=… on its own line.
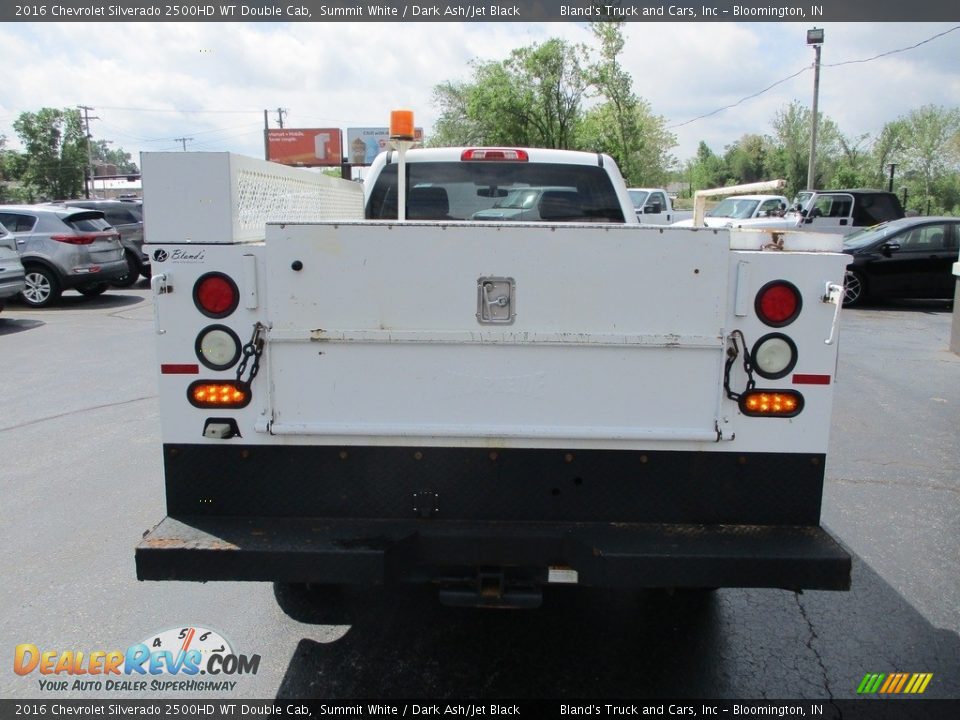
x=618, y=341
x=216, y=198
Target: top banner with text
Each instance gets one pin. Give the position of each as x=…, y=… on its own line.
x=815, y=11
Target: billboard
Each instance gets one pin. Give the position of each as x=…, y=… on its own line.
x=364, y=144
x=313, y=147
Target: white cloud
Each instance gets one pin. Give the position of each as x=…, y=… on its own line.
x=352, y=74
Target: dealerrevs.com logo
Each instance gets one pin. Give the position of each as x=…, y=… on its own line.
x=187, y=659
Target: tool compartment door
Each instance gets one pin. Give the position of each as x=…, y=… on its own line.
x=416, y=332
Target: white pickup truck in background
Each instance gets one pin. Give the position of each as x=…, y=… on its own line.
x=833, y=211
x=731, y=210
x=487, y=406
x=654, y=206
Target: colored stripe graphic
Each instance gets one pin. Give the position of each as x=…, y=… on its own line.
x=894, y=683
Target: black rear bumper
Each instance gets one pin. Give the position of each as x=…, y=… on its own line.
x=627, y=555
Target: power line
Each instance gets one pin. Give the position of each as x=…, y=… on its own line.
x=180, y=110
x=894, y=52
x=800, y=72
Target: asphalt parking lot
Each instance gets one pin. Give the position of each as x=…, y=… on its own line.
x=80, y=452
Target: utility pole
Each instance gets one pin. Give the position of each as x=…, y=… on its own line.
x=280, y=113
x=88, y=174
x=266, y=135
x=184, y=140
x=815, y=38
x=893, y=166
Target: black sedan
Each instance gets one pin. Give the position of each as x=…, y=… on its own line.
x=908, y=258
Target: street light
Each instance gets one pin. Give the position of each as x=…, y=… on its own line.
x=815, y=38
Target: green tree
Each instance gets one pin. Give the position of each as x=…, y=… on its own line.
x=746, y=159
x=534, y=97
x=103, y=154
x=706, y=170
x=623, y=124
x=791, y=142
x=54, y=150
x=930, y=134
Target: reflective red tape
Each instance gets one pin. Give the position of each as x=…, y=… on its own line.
x=179, y=369
x=808, y=379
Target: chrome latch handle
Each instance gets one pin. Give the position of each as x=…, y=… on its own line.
x=833, y=293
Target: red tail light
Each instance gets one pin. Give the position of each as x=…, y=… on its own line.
x=83, y=238
x=494, y=154
x=778, y=303
x=216, y=295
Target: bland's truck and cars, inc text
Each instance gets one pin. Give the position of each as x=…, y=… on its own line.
x=379, y=384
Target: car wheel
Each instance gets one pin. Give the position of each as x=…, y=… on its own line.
x=854, y=288
x=133, y=273
x=42, y=287
x=93, y=290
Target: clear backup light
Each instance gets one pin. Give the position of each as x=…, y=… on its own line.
x=216, y=295
x=218, y=347
x=774, y=356
x=778, y=303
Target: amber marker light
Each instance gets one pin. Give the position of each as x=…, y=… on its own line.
x=771, y=403
x=208, y=394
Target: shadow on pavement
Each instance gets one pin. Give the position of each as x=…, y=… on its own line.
x=9, y=326
x=589, y=643
x=110, y=300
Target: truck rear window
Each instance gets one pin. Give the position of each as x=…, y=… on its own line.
x=493, y=191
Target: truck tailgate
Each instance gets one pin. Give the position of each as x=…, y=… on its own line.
x=391, y=330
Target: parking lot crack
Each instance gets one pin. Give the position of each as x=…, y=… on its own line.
x=77, y=411
x=812, y=637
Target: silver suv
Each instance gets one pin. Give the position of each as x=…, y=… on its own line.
x=11, y=270
x=63, y=248
x=127, y=217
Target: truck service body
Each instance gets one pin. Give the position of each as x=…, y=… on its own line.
x=487, y=406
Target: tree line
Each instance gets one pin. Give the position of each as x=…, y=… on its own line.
x=53, y=162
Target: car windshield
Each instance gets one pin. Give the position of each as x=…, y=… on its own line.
x=738, y=208
x=638, y=197
x=869, y=235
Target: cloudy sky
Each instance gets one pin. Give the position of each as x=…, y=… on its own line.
x=152, y=82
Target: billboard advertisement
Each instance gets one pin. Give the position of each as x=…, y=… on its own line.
x=364, y=144
x=313, y=147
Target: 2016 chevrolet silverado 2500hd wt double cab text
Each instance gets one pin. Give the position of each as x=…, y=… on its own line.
x=490, y=406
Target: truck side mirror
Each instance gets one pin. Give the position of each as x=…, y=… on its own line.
x=653, y=207
x=888, y=248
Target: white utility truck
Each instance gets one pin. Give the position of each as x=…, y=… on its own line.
x=491, y=407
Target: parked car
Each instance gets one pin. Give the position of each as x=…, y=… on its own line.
x=736, y=208
x=11, y=269
x=127, y=217
x=911, y=257
x=63, y=248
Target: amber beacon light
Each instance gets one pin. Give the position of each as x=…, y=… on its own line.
x=401, y=125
